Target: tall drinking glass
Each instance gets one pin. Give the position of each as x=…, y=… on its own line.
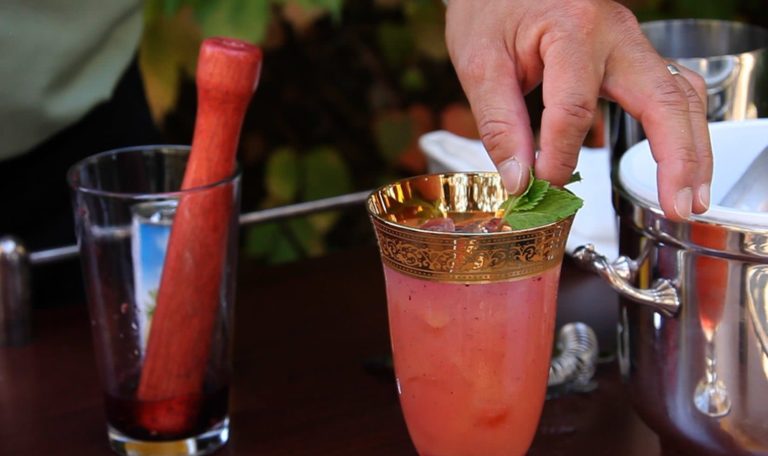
x=471, y=314
x=126, y=203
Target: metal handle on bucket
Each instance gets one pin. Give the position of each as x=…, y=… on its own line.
x=662, y=296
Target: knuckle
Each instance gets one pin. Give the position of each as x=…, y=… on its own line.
x=697, y=81
x=579, y=111
x=558, y=167
x=582, y=14
x=564, y=167
x=699, y=96
x=494, y=133
x=689, y=163
x=472, y=65
x=685, y=158
x=624, y=18
x=695, y=104
x=670, y=96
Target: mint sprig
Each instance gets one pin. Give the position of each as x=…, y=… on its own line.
x=540, y=204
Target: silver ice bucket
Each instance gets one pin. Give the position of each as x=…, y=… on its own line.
x=732, y=57
x=693, y=326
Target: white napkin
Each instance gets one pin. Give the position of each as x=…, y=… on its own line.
x=595, y=223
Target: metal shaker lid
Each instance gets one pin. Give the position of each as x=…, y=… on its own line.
x=735, y=144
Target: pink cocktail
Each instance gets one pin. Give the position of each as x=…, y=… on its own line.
x=471, y=315
x=472, y=360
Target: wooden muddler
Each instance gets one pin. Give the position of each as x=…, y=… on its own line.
x=178, y=348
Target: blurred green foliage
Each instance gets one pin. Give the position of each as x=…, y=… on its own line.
x=347, y=88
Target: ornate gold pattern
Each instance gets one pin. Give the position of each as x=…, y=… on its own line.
x=459, y=257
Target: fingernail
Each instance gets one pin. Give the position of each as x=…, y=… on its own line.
x=512, y=175
x=704, y=195
x=683, y=201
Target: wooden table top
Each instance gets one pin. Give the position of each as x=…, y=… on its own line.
x=308, y=381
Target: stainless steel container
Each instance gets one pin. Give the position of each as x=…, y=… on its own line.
x=732, y=57
x=693, y=326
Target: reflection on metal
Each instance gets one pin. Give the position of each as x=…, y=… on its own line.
x=657, y=321
x=15, y=262
x=53, y=255
x=757, y=303
x=662, y=296
x=731, y=57
x=711, y=396
x=14, y=293
x=576, y=361
x=663, y=360
x=397, y=210
x=625, y=267
x=756, y=244
x=249, y=218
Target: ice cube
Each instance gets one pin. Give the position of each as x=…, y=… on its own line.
x=436, y=318
x=442, y=224
x=491, y=225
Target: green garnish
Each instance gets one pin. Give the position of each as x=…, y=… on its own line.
x=540, y=204
x=575, y=177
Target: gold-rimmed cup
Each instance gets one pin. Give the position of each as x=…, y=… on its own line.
x=471, y=314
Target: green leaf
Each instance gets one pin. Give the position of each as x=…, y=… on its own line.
x=169, y=48
x=575, y=177
x=413, y=80
x=306, y=236
x=533, y=196
x=243, y=19
x=323, y=221
x=260, y=239
x=282, y=175
x=540, y=204
x=333, y=7
x=396, y=43
x=513, y=200
x=554, y=206
x=426, y=20
x=282, y=242
x=325, y=174
x=525, y=220
x=560, y=203
x=393, y=132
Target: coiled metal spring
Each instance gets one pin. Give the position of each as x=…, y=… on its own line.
x=576, y=361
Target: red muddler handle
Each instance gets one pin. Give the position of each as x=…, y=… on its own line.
x=182, y=328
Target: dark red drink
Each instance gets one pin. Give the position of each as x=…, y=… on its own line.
x=123, y=414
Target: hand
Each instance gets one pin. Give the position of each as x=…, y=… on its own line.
x=579, y=50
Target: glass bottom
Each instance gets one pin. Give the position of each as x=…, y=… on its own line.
x=204, y=443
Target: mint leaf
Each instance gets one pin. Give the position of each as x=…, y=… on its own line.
x=539, y=205
x=575, y=177
x=514, y=200
x=559, y=203
x=533, y=196
x=525, y=220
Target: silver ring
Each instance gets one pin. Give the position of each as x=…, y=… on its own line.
x=673, y=70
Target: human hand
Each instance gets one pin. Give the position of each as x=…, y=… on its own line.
x=578, y=50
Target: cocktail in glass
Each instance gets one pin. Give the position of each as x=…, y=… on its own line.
x=128, y=202
x=471, y=314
